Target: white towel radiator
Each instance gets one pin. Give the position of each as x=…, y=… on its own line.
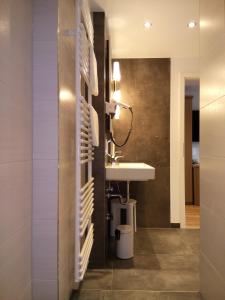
x=84, y=193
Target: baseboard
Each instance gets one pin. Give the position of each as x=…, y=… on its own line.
x=175, y=225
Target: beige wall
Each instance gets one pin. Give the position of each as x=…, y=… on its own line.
x=212, y=149
x=15, y=149
x=45, y=151
x=66, y=76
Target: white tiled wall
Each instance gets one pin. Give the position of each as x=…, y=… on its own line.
x=45, y=151
x=15, y=148
x=212, y=155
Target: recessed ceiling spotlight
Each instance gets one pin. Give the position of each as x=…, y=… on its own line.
x=192, y=24
x=147, y=24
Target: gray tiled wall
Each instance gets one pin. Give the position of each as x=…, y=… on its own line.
x=145, y=85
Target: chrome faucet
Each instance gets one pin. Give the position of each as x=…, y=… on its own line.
x=114, y=159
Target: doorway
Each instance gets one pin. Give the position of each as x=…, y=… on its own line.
x=192, y=163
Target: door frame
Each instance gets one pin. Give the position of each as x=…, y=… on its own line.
x=183, y=77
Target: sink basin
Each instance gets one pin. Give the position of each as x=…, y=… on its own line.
x=130, y=172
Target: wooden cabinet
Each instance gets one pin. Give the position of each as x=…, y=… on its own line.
x=196, y=180
x=192, y=194
x=188, y=151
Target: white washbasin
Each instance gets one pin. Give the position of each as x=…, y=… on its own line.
x=130, y=172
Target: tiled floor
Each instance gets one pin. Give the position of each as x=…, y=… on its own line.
x=165, y=267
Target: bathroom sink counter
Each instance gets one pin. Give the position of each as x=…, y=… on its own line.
x=130, y=172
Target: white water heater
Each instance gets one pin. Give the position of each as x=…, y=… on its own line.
x=123, y=214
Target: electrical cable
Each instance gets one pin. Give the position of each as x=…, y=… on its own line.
x=129, y=131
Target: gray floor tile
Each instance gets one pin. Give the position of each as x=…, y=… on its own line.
x=149, y=295
x=165, y=260
x=139, y=262
x=129, y=295
x=192, y=239
x=159, y=262
x=87, y=295
x=97, y=279
x=134, y=295
x=179, y=296
x=164, y=280
x=142, y=243
x=161, y=241
x=179, y=262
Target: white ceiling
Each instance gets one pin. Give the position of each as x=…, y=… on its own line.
x=168, y=37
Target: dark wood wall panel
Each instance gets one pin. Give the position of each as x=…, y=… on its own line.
x=145, y=85
x=99, y=248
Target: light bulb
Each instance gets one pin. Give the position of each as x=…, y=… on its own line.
x=116, y=71
x=192, y=24
x=65, y=95
x=117, y=95
x=147, y=24
x=117, y=112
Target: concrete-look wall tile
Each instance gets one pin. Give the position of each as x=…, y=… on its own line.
x=212, y=77
x=145, y=85
x=4, y=69
x=212, y=55
x=44, y=290
x=16, y=195
x=45, y=79
x=66, y=123
x=16, y=148
x=5, y=29
x=153, y=206
x=212, y=149
x=212, y=183
x=21, y=14
x=45, y=193
x=45, y=54
x=45, y=132
x=15, y=118
x=212, y=245
x=67, y=101
x=212, y=129
x=27, y=294
x=45, y=20
x=44, y=250
x=45, y=150
x=15, y=264
x=212, y=285
x=212, y=37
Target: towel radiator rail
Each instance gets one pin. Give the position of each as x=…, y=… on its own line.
x=84, y=190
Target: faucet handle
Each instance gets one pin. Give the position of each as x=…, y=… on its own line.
x=117, y=157
x=110, y=158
